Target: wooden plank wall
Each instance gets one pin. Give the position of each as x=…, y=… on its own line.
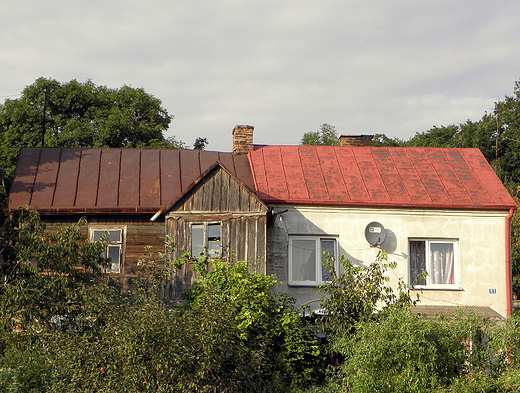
x=140, y=232
x=243, y=239
x=219, y=192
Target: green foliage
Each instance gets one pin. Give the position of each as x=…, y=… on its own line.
x=357, y=292
x=264, y=323
x=42, y=272
x=326, y=135
x=64, y=330
x=200, y=143
x=401, y=352
x=383, y=140
x=75, y=114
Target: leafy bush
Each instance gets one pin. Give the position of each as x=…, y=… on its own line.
x=401, y=353
x=64, y=330
x=281, y=351
x=358, y=293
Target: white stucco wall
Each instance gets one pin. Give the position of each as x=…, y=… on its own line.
x=480, y=235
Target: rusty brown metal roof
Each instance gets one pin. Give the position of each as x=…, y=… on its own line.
x=62, y=180
x=456, y=311
x=441, y=178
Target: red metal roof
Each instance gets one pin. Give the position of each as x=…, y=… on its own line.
x=446, y=178
x=112, y=180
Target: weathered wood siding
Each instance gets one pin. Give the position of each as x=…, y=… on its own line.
x=139, y=233
x=219, y=198
x=219, y=192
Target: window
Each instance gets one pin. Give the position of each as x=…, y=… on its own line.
x=438, y=258
x=206, y=239
x=306, y=257
x=114, y=238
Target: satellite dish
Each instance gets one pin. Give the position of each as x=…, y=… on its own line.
x=375, y=233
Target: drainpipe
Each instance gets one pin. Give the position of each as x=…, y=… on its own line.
x=509, y=294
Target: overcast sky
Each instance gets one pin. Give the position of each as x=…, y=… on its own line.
x=366, y=66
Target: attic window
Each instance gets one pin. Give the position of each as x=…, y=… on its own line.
x=206, y=239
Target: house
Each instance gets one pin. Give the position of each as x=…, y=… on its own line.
x=119, y=191
x=438, y=210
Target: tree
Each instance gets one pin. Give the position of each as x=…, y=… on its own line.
x=326, y=135
x=200, y=143
x=383, y=140
x=75, y=114
x=43, y=273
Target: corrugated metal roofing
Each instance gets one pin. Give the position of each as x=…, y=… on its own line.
x=377, y=176
x=112, y=180
x=456, y=311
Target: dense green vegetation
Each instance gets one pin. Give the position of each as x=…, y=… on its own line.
x=67, y=329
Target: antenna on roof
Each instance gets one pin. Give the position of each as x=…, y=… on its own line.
x=43, y=116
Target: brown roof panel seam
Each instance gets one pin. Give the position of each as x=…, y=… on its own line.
x=98, y=177
x=56, y=179
x=35, y=176
x=139, y=176
x=160, y=178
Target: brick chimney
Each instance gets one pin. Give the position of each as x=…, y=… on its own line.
x=355, y=140
x=242, y=139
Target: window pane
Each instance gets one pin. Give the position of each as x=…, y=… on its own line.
x=327, y=249
x=197, y=239
x=214, y=242
x=417, y=262
x=441, y=260
x=113, y=236
x=98, y=234
x=303, y=260
x=114, y=253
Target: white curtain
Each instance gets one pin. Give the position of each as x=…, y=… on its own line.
x=303, y=260
x=442, y=261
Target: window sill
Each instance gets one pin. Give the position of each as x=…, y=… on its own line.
x=452, y=288
x=299, y=285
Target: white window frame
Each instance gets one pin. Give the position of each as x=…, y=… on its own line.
x=429, y=262
x=117, y=267
x=211, y=253
x=318, y=259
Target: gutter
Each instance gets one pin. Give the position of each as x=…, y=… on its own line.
x=157, y=215
x=509, y=294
